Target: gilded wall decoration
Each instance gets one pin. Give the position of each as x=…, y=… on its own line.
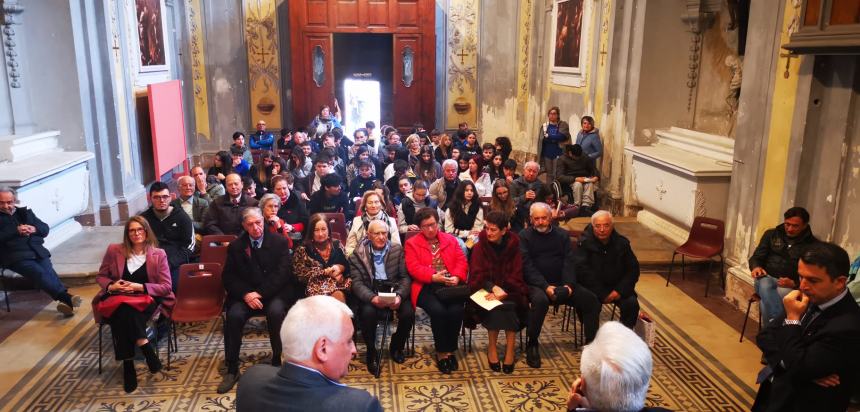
x=462, y=62
x=525, y=26
x=261, y=38
x=198, y=68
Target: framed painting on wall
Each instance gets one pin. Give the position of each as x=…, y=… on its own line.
x=150, y=24
x=571, y=24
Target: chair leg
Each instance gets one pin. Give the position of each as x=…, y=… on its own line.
x=576, y=341
x=412, y=345
x=100, y=348
x=470, y=339
x=683, y=267
x=385, y=329
x=614, y=309
x=564, y=315
x=722, y=267
x=746, y=318
x=671, y=265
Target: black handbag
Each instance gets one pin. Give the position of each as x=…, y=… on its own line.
x=450, y=294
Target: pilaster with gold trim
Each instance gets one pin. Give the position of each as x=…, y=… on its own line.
x=462, y=63
x=194, y=11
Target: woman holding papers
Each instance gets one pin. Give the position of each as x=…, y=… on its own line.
x=496, y=273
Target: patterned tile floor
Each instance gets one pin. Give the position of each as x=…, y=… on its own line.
x=687, y=377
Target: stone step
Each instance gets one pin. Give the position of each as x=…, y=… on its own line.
x=15, y=148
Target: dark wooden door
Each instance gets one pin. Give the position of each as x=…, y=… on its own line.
x=411, y=22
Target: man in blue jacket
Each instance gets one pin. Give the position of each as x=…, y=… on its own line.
x=261, y=139
x=22, y=250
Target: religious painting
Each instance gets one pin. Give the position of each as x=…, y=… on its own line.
x=570, y=47
x=568, y=33
x=149, y=15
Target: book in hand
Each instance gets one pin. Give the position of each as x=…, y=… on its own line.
x=387, y=298
x=480, y=297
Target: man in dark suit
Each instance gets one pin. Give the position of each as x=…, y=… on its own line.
x=259, y=280
x=813, y=352
x=22, y=250
x=317, y=336
x=225, y=213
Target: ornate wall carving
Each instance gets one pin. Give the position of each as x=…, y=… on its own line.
x=462, y=62
x=11, y=10
x=194, y=11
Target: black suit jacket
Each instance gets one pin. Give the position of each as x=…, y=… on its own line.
x=292, y=388
x=14, y=247
x=828, y=345
x=267, y=270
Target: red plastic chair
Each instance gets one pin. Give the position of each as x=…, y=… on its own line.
x=337, y=222
x=214, y=250
x=200, y=295
x=705, y=241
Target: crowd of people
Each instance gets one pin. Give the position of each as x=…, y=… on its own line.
x=429, y=222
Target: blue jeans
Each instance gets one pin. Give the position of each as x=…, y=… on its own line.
x=771, y=298
x=41, y=273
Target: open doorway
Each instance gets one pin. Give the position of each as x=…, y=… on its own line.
x=363, y=72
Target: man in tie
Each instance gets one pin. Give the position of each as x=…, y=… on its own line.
x=259, y=280
x=813, y=352
x=224, y=214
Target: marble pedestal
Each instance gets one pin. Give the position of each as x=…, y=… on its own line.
x=52, y=182
x=685, y=175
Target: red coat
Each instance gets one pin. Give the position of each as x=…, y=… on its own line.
x=419, y=261
x=159, y=285
x=504, y=270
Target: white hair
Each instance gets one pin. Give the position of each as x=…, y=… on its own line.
x=449, y=163
x=601, y=213
x=270, y=197
x=377, y=222
x=8, y=189
x=540, y=205
x=184, y=178
x=531, y=163
x=309, y=320
x=251, y=212
x=616, y=367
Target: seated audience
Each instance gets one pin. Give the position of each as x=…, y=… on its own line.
x=813, y=351
x=383, y=192
x=413, y=202
x=249, y=187
x=325, y=121
x=172, y=228
x=261, y=173
x=313, y=182
x=135, y=282
x=577, y=171
x=465, y=216
x=509, y=167
x=300, y=165
x=270, y=204
x=261, y=139
x=443, y=188
x=285, y=140
x=320, y=262
x=470, y=146
x=413, y=149
x=401, y=169
x=239, y=147
x=362, y=155
x=205, y=187
x=549, y=270
x=22, y=237
x=372, y=208
x=378, y=265
x=435, y=262
x=225, y=213
x=191, y=201
x=606, y=265
x=364, y=181
x=504, y=147
x=773, y=264
x=615, y=372
x=463, y=165
x=240, y=165
x=488, y=150
x=524, y=189
x=443, y=150
x=292, y=210
x=494, y=167
x=476, y=175
x=561, y=210
x=503, y=202
x=259, y=279
x=317, y=336
x=404, y=188
x=222, y=166
x=331, y=199
x=496, y=267
x=426, y=168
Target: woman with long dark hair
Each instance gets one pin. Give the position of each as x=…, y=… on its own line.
x=427, y=169
x=134, y=279
x=476, y=174
x=300, y=166
x=494, y=167
x=320, y=261
x=504, y=147
x=223, y=166
x=465, y=217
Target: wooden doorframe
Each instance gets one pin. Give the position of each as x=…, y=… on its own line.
x=312, y=21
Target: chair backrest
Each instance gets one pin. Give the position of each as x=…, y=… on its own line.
x=200, y=293
x=574, y=238
x=337, y=222
x=358, y=211
x=409, y=235
x=213, y=248
x=708, y=231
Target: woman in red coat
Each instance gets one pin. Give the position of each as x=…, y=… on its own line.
x=435, y=261
x=497, y=268
x=135, y=281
